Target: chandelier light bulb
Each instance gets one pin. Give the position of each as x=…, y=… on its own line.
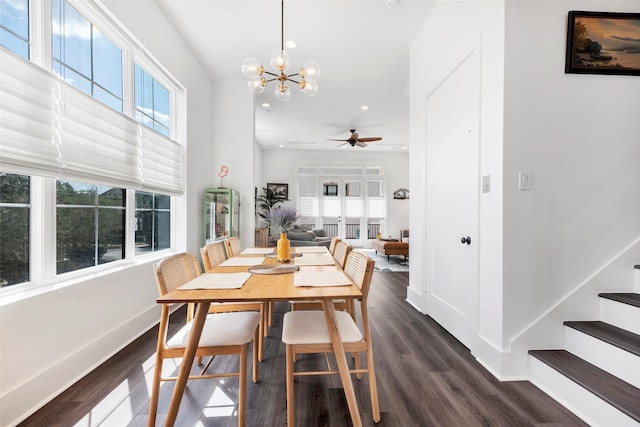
x=251, y=68
x=280, y=60
x=309, y=88
x=310, y=71
x=258, y=85
x=282, y=92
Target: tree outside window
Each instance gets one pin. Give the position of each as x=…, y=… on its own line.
x=90, y=225
x=14, y=228
x=153, y=222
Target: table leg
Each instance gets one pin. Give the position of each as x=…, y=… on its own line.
x=341, y=360
x=187, y=361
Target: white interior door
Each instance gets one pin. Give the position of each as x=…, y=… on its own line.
x=452, y=200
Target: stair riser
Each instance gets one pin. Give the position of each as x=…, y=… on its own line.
x=612, y=359
x=586, y=405
x=623, y=316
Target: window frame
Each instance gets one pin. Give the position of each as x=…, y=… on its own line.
x=42, y=231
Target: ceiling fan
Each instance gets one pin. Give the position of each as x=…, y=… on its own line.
x=355, y=139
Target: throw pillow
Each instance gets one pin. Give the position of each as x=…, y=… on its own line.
x=320, y=233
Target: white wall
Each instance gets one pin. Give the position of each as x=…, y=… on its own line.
x=578, y=136
x=547, y=252
x=233, y=146
x=450, y=33
x=280, y=166
x=50, y=340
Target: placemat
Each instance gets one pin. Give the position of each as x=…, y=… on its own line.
x=257, y=251
x=321, y=278
x=239, y=261
x=217, y=281
x=315, y=259
x=311, y=249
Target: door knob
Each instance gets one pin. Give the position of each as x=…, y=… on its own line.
x=466, y=240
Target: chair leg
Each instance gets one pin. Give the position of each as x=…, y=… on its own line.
x=271, y=310
x=291, y=420
x=351, y=308
x=373, y=388
x=261, y=332
x=242, y=387
x=155, y=391
x=256, y=340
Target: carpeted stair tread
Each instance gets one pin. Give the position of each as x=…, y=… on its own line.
x=613, y=335
x=609, y=388
x=626, y=298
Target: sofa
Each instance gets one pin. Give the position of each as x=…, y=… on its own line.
x=298, y=237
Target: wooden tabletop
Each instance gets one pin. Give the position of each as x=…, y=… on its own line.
x=262, y=287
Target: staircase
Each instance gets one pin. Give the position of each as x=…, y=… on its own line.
x=597, y=374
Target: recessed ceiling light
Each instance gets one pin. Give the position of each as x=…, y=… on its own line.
x=290, y=44
x=266, y=105
x=281, y=146
x=364, y=107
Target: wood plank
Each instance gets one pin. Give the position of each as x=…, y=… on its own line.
x=609, y=388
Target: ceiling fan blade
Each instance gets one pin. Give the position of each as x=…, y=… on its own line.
x=371, y=139
x=340, y=145
x=361, y=144
x=337, y=140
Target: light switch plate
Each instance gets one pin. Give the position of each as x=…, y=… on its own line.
x=524, y=181
x=486, y=184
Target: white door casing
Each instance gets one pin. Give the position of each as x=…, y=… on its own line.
x=452, y=159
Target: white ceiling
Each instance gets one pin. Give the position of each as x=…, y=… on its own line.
x=362, y=47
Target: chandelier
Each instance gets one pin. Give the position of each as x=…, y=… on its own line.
x=306, y=78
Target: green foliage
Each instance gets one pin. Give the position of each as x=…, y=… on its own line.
x=14, y=229
x=267, y=201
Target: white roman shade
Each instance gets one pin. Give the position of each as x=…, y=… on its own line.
x=49, y=128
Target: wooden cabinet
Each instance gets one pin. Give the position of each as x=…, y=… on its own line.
x=221, y=213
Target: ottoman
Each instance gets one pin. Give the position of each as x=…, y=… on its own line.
x=391, y=248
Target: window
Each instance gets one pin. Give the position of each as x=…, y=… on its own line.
x=348, y=199
x=15, y=208
x=84, y=57
x=93, y=218
x=152, y=102
x=90, y=225
x=14, y=26
x=330, y=189
x=153, y=222
x=375, y=199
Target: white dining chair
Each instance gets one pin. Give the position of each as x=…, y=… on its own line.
x=212, y=255
x=306, y=332
x=223, y=334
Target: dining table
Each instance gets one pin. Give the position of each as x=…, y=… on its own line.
x=268, y=288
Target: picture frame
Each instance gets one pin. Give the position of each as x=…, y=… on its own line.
x=279, y=190
x=603, y=43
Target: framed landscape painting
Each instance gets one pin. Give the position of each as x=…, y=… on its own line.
x=603, y=43
x=279, y=190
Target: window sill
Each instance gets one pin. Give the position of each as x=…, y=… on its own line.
x=23, y=291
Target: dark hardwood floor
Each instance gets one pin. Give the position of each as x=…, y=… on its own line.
x=425, y=378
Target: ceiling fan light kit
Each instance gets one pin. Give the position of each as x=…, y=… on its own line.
x=255, y=72
x=355, y=139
